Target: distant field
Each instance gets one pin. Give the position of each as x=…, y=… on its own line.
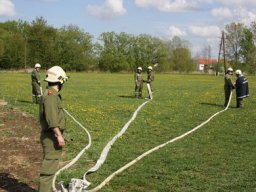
x=221, y=156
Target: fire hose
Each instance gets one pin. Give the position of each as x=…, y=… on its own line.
x=106, y=149
x=76, y=158
x=78, y=185
x=102, y=184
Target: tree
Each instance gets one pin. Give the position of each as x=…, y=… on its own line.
x=248, y=51
x=41, y=43
x=75, y=48
x=182, y=60
x=149, y=50
x=253, y=30
x=177, y=48
x=23, y=44
x=112, y=56
x=12, y=45
x=234, y=35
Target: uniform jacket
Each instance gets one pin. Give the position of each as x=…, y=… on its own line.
x=228, y=85
x=242, y=88
x=138, y=79
x=35, y=77
x=35, y=82
x=150, y=77
x=51, y=111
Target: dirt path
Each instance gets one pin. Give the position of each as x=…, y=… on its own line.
x=20, y=150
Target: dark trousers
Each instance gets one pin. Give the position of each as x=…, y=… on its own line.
x=239, y=103
x=227, y=95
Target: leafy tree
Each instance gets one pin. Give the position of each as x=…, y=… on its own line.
x=75, y=48
x=177, y=48
x=182, y=60
x=23, y=44
x=116, y=51
x=248, y=51
x=12, y=46
x=41, y=43
x=149, y=50
x=234, y=35
x=253, y=30
x=109, y=55
x=177, y=42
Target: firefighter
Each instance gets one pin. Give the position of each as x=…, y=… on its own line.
x=52, y=122
x=242, y=88
x=36, y=84
x=138, y=83
x=228, y=85
x=149, y=81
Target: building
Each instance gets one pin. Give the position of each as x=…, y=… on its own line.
x=206, y=65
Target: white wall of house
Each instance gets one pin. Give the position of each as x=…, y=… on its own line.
x=201, y=67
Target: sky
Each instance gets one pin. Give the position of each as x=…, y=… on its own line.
x=198, y=21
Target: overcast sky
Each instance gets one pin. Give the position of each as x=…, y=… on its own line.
x=198, y=21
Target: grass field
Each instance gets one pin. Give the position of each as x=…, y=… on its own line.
x=219, y=157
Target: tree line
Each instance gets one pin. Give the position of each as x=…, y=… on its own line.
x=23, y=44
x=240, y=41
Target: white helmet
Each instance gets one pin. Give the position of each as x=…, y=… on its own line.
x=230, y=69
x=150, y=68
x=56, y=74
x=37, y=65
x=139, y=68
x=238, y=72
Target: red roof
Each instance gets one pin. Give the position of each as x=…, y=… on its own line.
x=206, y=61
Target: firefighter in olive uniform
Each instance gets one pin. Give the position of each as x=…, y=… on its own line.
x=228, y=85
x=242, y=88
x=149, y=81
x=36, y=88
x=138, y=83
x=52, y=123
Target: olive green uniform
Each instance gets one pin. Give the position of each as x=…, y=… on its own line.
x=228, y=86
x=36, y=91
x=138, y=84
x=150, y=79
x=51, y=116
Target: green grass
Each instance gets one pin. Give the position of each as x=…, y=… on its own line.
x=218, y=157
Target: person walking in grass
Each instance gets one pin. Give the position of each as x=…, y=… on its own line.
x=36, y=84
x=228, y=85
x=138, y=83
x=242, y=88
x=52, y=122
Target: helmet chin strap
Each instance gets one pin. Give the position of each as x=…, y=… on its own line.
x=60, y=86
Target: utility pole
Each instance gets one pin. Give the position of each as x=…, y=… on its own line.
x=223, y=52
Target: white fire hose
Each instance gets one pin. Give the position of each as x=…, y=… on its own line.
x=102, y=184
x=80, y=185
x=75, y=159
x=106, y=149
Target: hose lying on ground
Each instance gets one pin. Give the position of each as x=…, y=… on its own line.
x=106, y=149
x=73, y=161
x=102, y=184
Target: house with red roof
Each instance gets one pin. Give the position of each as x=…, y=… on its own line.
x=204, y=64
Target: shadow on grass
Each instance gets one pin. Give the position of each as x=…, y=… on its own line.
x=126, y=96
x=25, y=101
x=13, y=185
x=214, y=104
